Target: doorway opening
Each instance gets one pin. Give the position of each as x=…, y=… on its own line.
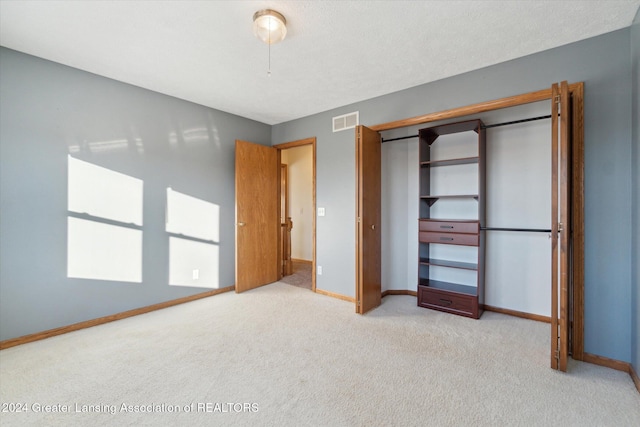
x=297, y=212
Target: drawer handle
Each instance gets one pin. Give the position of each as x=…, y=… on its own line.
x=446, y=239
x=446, y=226
x=446, y=301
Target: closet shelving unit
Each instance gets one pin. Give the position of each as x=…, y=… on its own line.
x=464, y=299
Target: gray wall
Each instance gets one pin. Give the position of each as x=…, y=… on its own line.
x=635, y=279
x=48, y=110
x=603, y=64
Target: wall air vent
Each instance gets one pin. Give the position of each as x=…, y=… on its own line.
x=346, y=121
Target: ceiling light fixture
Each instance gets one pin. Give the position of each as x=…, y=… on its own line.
x=270, y=27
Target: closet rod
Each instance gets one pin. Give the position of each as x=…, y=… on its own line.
x=495, y=125
x=399, y=138
x=532, y=119
x=535, y=230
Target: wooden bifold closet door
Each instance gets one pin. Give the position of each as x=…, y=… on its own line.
x=560, y=226
x=368, y=237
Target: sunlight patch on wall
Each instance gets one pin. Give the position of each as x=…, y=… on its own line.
x=194, y=232
x=104, y=224
x=104, y=193
x=193, y=263
x=103, y=251
x=192, y=217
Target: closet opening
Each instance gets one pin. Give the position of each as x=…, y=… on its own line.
x=528, y=201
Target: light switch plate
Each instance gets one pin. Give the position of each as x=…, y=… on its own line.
x=320, y=211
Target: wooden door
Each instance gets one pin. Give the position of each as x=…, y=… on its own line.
x=560, y=227
x=257, y=215
x=368, y=242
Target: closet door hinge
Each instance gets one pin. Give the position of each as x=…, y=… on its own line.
x=557, y=355
x=359, y=219
x=560, y=227
x=557, y=99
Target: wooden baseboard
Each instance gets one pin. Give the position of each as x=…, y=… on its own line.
x=334, y=295
x=516, y=313
x=305, y=261
x=399, y=292
x=618, y=365
x=634, y=377
x=106, y=319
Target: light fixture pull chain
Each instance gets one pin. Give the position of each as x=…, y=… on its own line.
x=269, y=70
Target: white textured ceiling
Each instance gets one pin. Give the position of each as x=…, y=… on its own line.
x=335, y=53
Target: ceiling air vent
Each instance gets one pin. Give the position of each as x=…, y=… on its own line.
x=346, y=121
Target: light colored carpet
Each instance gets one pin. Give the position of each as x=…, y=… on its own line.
x=306, y=359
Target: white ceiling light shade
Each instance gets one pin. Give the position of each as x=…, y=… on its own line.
x=269, y=26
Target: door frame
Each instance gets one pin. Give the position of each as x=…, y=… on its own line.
x=576, y=182
x=286, y=266
x=299, y=143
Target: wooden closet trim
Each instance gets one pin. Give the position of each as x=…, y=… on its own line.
x=481, y=107
x=576, y=91
x=577, y=219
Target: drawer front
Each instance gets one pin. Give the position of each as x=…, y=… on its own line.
x=449, y=238
x=450, y=226
x=445, y=301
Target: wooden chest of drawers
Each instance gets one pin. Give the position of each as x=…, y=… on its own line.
x=443, y=296
x=454, y=299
